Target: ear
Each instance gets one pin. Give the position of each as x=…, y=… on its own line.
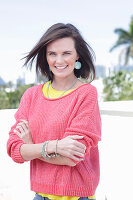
x=77, y=57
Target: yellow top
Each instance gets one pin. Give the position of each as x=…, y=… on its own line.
x=55, y=197
x=55, y=94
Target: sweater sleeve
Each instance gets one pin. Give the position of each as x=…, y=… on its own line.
x=14, y=142
x=87, y=122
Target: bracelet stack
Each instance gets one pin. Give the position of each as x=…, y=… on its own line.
x=45, y=155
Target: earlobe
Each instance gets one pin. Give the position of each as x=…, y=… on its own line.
x=77, y=57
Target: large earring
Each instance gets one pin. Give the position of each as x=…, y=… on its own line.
x=77, y=65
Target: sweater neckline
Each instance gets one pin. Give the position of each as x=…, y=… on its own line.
x=54, y=99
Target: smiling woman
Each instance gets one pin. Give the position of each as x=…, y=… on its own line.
x=58, y=124
x=61, y=55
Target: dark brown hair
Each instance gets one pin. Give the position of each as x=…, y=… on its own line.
x=57, y=31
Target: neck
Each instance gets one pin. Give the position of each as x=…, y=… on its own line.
x=62, y=84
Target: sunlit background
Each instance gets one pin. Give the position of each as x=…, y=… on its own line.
x=22, y=23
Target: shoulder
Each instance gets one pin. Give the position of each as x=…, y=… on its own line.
x=88, y=85
x=86, y=89
x=34, y=90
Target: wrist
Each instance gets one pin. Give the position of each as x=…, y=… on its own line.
x=58, y=147
x=51, y=146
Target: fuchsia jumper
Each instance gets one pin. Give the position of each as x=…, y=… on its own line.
x=76, y=113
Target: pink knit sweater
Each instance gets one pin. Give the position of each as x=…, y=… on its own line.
x=49, y=119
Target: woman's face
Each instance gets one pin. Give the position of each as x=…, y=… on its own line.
x=61, y=56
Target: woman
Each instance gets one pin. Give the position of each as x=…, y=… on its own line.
x=58, y=123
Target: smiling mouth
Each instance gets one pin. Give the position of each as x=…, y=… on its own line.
x=60, y=67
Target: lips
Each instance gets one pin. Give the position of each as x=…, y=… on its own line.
x=61, y=67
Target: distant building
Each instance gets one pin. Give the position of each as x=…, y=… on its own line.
x=100, y=71
x=2, y=82
x=126, y=68
x=21, y=81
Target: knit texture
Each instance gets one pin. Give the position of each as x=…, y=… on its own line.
x=76, y=113
x=55, y=94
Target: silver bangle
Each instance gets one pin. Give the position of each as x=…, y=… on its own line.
x=43, y=150
x=56, y=154
x=45, y=155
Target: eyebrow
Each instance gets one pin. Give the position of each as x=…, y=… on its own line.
x=55, y=52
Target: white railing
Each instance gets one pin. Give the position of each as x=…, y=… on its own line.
x=116, y=150
x=117, y=108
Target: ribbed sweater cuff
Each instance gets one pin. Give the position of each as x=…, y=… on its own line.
x=17, y=155
x=63, y=190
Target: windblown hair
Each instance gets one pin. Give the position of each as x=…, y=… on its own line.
x=57, y=31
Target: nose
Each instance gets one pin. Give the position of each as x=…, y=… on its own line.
x=59, y=59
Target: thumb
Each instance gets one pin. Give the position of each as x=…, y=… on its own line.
x=76, y=136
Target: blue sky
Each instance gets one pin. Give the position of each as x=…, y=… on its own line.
x=23, y=23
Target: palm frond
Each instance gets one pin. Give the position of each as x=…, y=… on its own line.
x=127, y=55
x=131, y=50
x=131, y=27
x=123, y=51
x=119, y=43
x=122, y=32
x=124, y=38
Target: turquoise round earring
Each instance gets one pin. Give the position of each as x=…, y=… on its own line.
x=77, y=65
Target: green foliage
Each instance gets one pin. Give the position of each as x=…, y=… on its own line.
x=118, y=86
x=11, y=99
x=4, y=103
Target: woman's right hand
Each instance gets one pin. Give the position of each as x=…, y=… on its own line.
x=71, y=148
x=24, y=131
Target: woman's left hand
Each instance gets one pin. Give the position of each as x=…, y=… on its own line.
x=24, y=131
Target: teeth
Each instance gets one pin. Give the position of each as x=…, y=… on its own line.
x=60, y=67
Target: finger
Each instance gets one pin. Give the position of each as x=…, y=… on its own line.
x=18, y=126
x=76, y=158
x=72, y=155
x=76, y=153
x=27, y=125
x=23, y=120
x=24, y=127
x=17, y=133
x=76, y=136
x=80, y=150
x=21, y=129
x=80, y=145
x=20, y=123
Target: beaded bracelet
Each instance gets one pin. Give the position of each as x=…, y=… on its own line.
x=44, y=151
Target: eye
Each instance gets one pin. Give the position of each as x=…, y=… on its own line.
x=67, y=53
x=52, y=54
